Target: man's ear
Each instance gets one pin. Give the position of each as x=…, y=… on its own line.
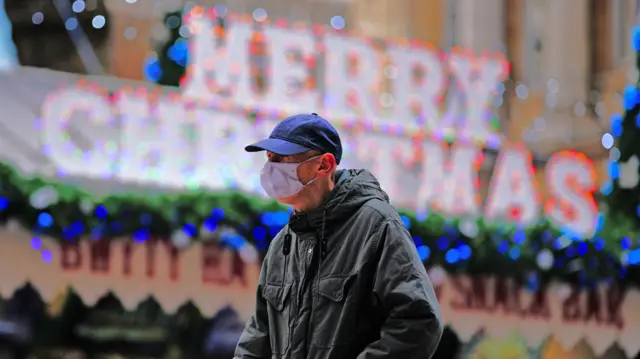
x=327, y=164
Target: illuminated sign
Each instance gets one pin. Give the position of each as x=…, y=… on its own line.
x=196, y=139
x=354, y=72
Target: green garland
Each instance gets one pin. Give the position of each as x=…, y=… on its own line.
x=626, y=130
x=171, y=71
x=496, y=249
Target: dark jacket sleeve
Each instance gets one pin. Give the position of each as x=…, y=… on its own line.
x=254, y=342
x=413, y=325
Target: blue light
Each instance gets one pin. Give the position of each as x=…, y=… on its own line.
x=519, y=237
x=179, y=52
x=464, y=251
x=570, y=251
x=262, y=244
x=234, y=240
x=417, y=241
x=189, y=229
x=616, y=125
x=533, y=282
x=267, y=218
x=443, y=243
x=337, y=22
x=406, y=221
x=630, y=97
x=606, y=188
x=600, y=222
x=4, y=203
x=45, y=220
x=259, y=233
x=68, y=234
x=638, y=120
x=210, y=224
x=96, y=233
x=47, y=256
x=217, y=214
x=274, y=230
x=424, y=252
x=77, y=227
x=281, y=218
x=36, y=243
x=101, y=212
x=598, y=244
x=635, y=39
x=614, y=170
x=607, y=141
x=152, y=70
x=452, y=256
x=514, y=252
x=141, y=235
x=582, y=248
x=634, y=257
x=625, y=243
x=503, y=246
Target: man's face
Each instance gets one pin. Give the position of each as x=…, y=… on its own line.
x=307, y=171
x=313, y=166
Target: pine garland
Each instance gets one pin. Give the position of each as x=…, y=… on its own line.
x=64, y=212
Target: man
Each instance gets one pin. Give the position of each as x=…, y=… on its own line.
x=343, y=279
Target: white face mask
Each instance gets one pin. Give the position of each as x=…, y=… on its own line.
x=280, y=180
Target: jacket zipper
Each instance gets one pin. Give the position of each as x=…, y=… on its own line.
x=316, y=257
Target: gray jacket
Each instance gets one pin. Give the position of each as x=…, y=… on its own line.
x=344, y=282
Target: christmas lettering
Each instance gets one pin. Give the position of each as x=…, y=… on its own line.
x=171, y=143
x=220, y=70
x=195, y=139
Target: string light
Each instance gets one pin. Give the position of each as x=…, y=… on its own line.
x=337, y=22
x=78, y=6
x=37, y=18
x=259, y=15
x=98, y=21
x=607, y=141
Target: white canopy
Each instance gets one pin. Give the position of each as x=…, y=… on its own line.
x=22, y=95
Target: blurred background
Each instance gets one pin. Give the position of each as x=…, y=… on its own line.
x=74, y=282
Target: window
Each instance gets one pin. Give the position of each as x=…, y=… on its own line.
x=534, y=24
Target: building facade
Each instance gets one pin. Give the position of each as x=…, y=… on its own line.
x=569, y=60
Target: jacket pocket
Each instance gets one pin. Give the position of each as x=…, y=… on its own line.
x=336, y=311
x=277, y=297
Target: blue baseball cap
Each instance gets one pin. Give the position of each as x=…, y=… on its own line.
x=301, y=133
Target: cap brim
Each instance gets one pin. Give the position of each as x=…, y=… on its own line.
x=277, y=146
